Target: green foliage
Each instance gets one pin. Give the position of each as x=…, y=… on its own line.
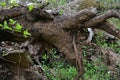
x=1, y=25
x=30, y=7
x=9, y=3
x=96, y=70
x=56, y=68
x=101, y=41
x=52, y=54
x=59, y=71
x=56, y=3
x=37, y=4
x=115, y=22
x=61, y=12
x=18, y=27
x=26, y=33
x=109, y=4
x=115, y=47
x=2, y=4
x=14, y=26
x=12, y=1
x=6, y=26
x=44, y=57
x=62, y=2
x=68, y=73
x=12, y=22
x=13, y=4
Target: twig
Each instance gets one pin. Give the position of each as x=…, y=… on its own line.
x=19, y=66
x=79, y=61
x=7, y=60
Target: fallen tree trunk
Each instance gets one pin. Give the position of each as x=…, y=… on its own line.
x=53, y=30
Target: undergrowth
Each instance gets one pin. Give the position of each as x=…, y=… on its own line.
x=56, y=68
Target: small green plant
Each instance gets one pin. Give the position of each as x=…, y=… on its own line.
x=61, y=12
x=13, y=3
x=2, y=4
x=60, y=73
x=115, y=22
x=18, y=27
x=55, y=3
x=96, y=70
x=57, y=70
x=52, y=54
x=1, y=25
x=14, y=26
x=30, y=7
x=45, y=57
x=5, y=26
x=26, y=33
x=12, y=22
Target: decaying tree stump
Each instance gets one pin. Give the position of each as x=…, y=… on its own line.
x=54, y=30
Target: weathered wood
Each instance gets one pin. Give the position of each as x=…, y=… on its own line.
x=53, y=30
x=35, y=14
x=98, y=20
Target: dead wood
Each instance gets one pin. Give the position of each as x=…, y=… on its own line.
x=22, y=10
x=43, y=25
x=94, y=22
